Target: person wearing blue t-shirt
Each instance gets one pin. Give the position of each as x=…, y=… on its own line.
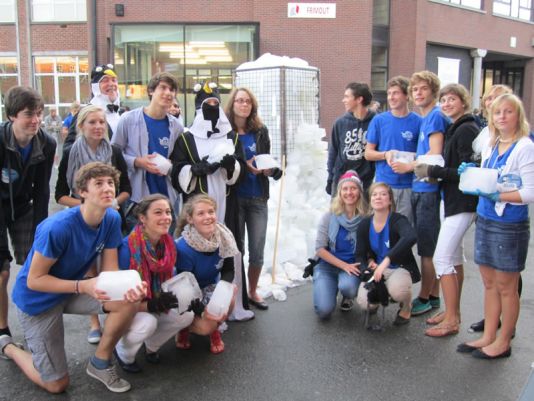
x=503, y=225
x=390, y=132
x=424, y=89
x=253, y=191
x=207, y=249
x=51, y=283
x=384, y=245
x=335, y=248
x=146, y=132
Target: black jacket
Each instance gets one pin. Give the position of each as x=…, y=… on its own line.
x=263, y=146
x=458, y=148
x=402, y=237
x=117, y=161
x=23, y=187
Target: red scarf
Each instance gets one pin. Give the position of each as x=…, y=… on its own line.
x=154, y=266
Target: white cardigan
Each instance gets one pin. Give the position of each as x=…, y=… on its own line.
x=520, y=162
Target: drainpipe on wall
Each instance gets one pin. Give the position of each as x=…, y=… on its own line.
x=93, y=31
x=29, y=38
x=17, y=35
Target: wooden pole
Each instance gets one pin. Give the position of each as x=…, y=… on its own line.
x=275, y=252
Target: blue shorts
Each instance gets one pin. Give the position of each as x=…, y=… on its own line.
x=503, y=246
x=425, y=208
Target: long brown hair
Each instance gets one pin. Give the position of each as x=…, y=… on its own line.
x=254, y=122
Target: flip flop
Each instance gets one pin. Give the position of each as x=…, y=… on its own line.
x=437, y=318
x=442, y=330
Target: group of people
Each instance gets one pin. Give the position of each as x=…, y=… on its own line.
x=408, y=165
x=141, y=193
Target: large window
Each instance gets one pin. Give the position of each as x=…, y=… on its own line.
x=520, y=9
x=62, y=80
x=58, y=10
x=466, y=3
x=192, y=53
x=7, y=10
x=9, y=76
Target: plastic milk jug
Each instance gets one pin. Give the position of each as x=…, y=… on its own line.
x=185, y=287
x=117, y=283
x=221, y=299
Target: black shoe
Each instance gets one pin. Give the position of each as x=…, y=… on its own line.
x=465, y=348
x=400, y=321
x=478, y=327
x=152, y=357
x=478, y=353
x=127, y=367
x=261, y=305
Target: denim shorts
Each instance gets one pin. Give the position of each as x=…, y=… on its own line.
x=425, y=207
x=500, y=245
x=253, y=213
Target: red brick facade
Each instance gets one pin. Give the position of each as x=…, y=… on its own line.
x=340, y=47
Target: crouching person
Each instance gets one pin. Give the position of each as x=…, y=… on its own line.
x=151, y=250
x=385, y=241
x=51, y=283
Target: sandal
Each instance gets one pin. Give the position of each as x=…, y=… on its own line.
x=437, y=318
x=216, y=342
x=442, y=330
x=182, y=339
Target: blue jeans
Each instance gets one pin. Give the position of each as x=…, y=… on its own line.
x=253, y=213
x=327, y=280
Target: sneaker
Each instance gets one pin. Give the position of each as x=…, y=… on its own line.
x=5, y=340
x=418, y=307
x=435, y=303
x=109, y=377
x=94, y=336
x=127, y=367
x=346, y=304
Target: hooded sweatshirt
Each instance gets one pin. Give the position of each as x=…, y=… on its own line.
x=347, y=147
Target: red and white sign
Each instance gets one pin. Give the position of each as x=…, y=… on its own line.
x=311, y=10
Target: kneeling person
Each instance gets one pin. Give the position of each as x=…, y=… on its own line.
x=51, y=283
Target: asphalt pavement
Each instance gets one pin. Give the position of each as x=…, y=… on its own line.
x=286, y=353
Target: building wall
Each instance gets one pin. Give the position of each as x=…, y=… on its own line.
x=466, y=61
x=340, y=48
x=417, y=23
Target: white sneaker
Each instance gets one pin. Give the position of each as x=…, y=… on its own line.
x=5, y=340
x=109, y=377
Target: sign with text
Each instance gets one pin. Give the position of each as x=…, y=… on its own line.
x=311, y=10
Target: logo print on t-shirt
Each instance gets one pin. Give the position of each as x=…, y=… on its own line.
x=387, y=243
x=99, y=248
x=164, y=142
x=9, y=175
x=407, y=135
x=252, y=148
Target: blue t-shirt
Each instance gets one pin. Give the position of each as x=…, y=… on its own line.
x=158, y=142
x=344, y=246
x=433, y=122
x=250, y=187
x=68, y=120
x=65, y=236
x=380, y=242
x=388, y=132
x=25, y=152
x=486, y=207
x=205, y=266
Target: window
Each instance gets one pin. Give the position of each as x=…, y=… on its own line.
x=58, y=10
x=466, y=3
x=379, y=68
x=192, y=53
x=520, y=9
x=62, y=80
x=9, y=76
x=7, y=11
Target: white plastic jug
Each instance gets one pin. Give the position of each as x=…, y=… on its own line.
x=162, y=163
x=117, y=283
x=403, y=157
x=220, y=300
x=477, y=178
x=185, y=287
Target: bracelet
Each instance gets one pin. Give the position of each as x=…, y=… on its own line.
x=76, y=287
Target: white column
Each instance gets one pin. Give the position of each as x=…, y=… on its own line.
x=478, y=55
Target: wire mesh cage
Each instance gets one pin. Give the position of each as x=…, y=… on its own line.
x=287, y=97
